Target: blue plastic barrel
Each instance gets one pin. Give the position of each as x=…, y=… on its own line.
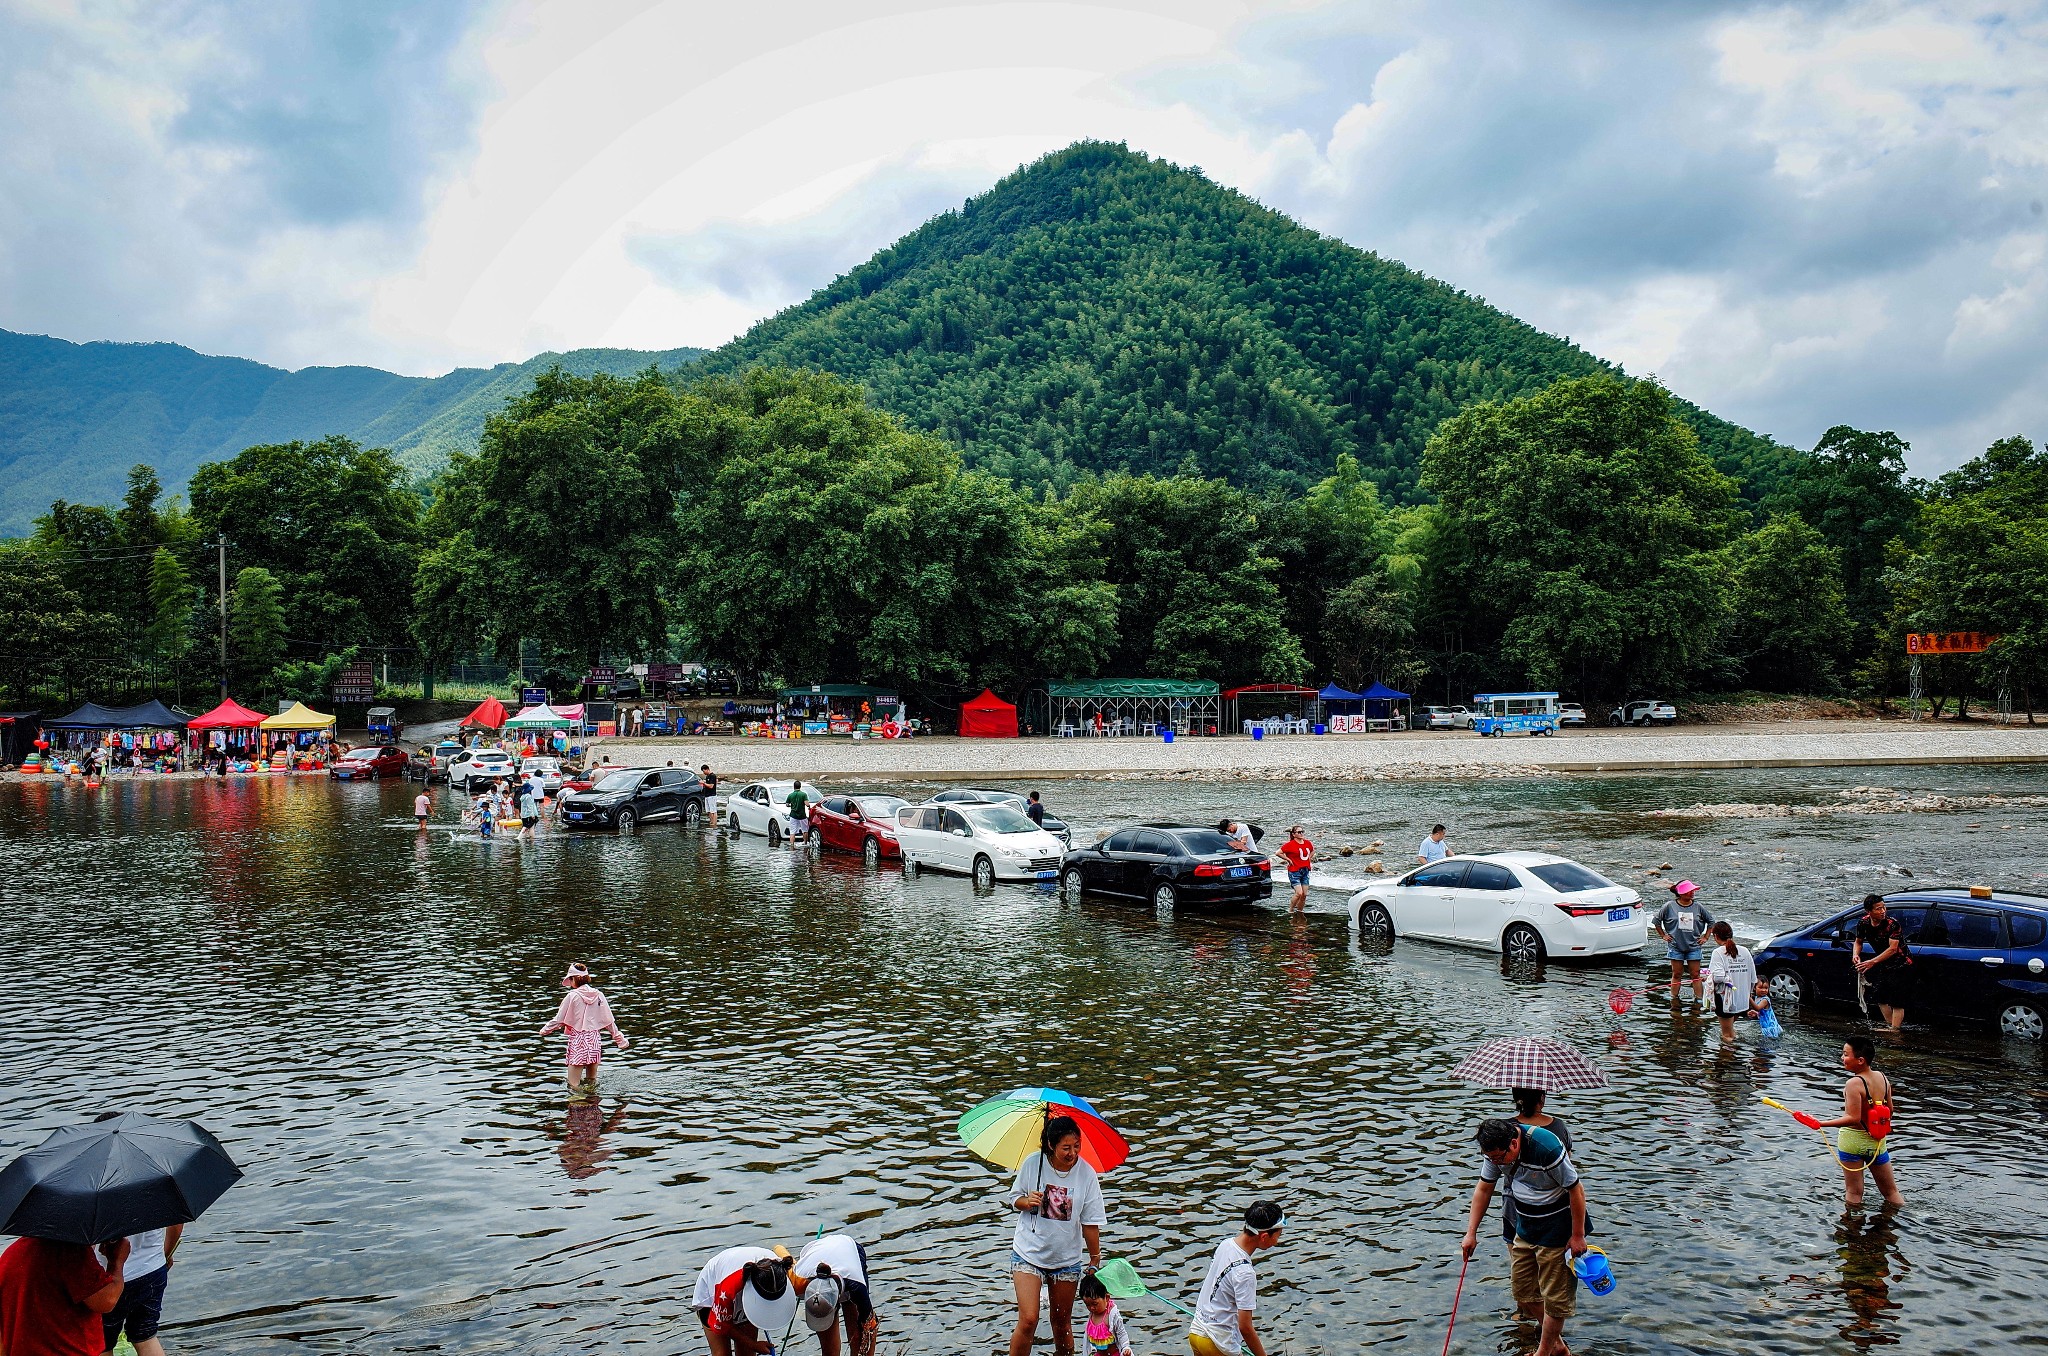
x=1258, y=732
x=1166, y=733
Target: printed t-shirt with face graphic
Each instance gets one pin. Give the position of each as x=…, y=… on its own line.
x=1684, y=923
x=1050, y=1237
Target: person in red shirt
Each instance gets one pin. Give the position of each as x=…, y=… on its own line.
x=52, y=1295
x=1300, y=855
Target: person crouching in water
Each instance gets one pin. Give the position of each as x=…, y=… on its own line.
x=745, y=1301
x=1222, y=1325
x=585, y=1014
x=832, y=1277
x=1732, y=975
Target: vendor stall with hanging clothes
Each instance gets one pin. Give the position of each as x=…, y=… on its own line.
x=299, y=738
x=231, y=728
x=145, y=732
x=839, y=708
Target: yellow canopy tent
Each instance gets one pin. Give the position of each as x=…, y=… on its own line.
x=299, y=717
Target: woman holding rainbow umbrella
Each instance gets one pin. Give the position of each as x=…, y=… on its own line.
x=1057, y=1144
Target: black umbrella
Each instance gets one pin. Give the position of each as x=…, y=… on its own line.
x=123, y=1175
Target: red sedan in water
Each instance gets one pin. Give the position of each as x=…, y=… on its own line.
x=863, y=824
x=367, y=765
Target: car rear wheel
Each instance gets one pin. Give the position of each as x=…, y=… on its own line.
x=1374, y=920
x=2021, y=1021
x=814, y=846
x=774, y=834
x=628, y=821
x=984, y=873
x=871, y=853
x=1788, y=988
x=1522, y=945
x=1163, y=898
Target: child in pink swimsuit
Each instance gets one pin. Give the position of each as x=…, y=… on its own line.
x=585, y=1015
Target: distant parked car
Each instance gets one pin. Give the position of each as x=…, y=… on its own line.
x=1571, y=713
x=989, y=842
x=544, y=772
x=470, y=768
x=1978, y=955
x=1461, y=717
x=1438, y=717
x=1169, y=865
x=965, y=795
x=633, y=796
x=1651, y=711
x=861, y=824
x=1528, y=906
x=367, y=765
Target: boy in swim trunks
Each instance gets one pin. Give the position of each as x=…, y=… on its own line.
x=1855, y=1147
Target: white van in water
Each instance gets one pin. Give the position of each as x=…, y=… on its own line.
x=988, y=842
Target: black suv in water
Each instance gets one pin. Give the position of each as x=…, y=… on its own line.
x=632, y=796
x=1978, y=955
x=1168, y=864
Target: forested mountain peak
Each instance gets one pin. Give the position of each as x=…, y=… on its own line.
x=1100, y=310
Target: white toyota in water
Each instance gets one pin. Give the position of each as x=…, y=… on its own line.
x=1530, y=906
x=988, y=842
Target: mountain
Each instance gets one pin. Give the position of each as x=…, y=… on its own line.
x=1099, y=310
x=75, y=417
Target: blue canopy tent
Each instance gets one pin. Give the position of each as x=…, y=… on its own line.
x=1333, y=696
x=1380, y=701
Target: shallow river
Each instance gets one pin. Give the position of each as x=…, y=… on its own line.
x=353, y=1009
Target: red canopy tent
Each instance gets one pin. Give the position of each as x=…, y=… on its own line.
x=229, y=715
x=988, y=717
x=490, y=714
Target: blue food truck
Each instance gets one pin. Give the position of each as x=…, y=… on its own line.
x=1502, y=713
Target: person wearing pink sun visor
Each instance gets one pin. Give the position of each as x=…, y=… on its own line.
x=1682, y=922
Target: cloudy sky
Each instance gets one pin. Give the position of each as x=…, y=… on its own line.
x=1799, y=215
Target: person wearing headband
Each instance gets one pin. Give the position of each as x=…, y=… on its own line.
x=1222, y=1324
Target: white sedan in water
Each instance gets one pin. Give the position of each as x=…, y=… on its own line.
x=1529, y=906
x=987, y=842
x=763, y=808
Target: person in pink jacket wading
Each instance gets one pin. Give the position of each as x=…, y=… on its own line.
x=586, y=1015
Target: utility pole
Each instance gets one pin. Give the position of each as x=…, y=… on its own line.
x=222, y=544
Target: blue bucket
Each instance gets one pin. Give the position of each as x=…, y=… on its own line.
x=1166, y=734
x=1322, y=729
x=1258, y=732
x=1591, y=1267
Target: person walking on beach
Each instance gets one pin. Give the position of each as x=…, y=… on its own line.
x=1300, y=855
x=1222, y=1325
x=1549, y=1222
x=53, y=1296
x=1433, y=848
x=1681, y=923
x=1731, y=974
x=799, y=802
x=1887, y=973
x=1863, y=1130
x=422, y=807
x=1060, y=1214
x=585, y=1014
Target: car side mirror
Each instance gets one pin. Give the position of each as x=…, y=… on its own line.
x=960, y=833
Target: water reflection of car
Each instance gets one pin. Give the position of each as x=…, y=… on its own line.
x=981, y=795
x=1527, y=906
x=860, y=824
x=988, y=842
x=470, y=768
x=1169, y=865
x=1978, y=955
x=367, y=765
x=1650, y=711
x=1439, y=717
x=633, y=796
x=1571, y=713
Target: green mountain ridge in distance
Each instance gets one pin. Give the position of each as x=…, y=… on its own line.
x=75, y=417
x=1100, y=310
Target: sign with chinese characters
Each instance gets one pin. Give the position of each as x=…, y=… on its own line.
x=356, y=682
x=1949, y=642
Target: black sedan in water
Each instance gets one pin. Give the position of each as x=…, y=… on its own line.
x=633, y=796
x=1979, y=955
x=1168, y=864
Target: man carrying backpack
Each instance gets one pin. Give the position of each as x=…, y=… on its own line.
x=1866, y=1125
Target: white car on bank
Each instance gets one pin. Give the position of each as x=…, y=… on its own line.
x=1528, y=906
x=763, y=808
x=987, y=842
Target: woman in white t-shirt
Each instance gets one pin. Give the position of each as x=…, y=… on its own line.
x=1058, y=1200
x=1731, y=973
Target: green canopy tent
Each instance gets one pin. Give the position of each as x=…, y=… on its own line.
x=1133, y=706
x=542, y=717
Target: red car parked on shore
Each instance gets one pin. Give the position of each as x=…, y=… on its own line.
x=862, y=824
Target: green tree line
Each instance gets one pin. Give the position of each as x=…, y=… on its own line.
x=1580, y=536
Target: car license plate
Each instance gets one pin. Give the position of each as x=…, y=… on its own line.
x=1619, y=915
x=1238, y=871
x=1048, y=875
x=575, y=814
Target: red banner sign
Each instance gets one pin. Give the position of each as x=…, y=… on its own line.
x=1949, y=642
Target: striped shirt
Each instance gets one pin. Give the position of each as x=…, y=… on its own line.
x=1540, y=1182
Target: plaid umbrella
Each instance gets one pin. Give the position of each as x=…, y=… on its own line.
x=1529, y=1062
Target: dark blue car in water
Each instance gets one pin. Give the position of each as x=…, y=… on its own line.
x=1979, y=955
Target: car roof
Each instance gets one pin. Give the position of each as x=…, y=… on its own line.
x=1523, y=858
x=1960, y=894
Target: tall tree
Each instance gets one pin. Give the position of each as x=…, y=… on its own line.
x=1854, y=491
x=172, y=599
x=337, y=526
x=256, y=638
x=1580, y=532
x=50, y=641
x=1791, y=628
